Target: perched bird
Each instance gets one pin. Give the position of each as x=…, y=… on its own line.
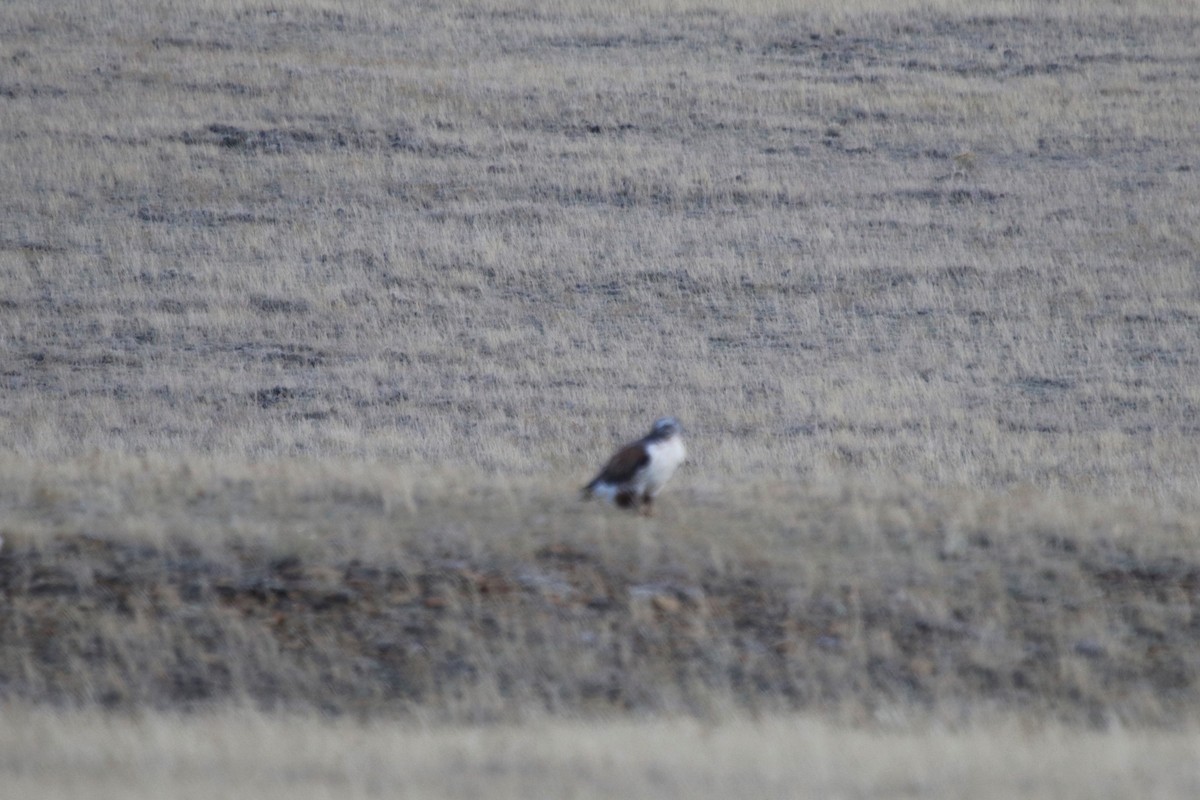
x=637, y=472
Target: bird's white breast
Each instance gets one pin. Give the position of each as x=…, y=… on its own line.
x=665, y=458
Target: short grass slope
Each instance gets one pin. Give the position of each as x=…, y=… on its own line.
x=372, y=591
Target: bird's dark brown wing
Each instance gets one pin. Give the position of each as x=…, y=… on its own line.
x=623, y=465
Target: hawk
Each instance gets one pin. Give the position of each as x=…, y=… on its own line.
x=637, y=472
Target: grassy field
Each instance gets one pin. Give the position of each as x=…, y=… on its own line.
x=314, y=316
x=948, y=245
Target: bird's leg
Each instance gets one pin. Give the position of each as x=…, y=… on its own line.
x=647, y=505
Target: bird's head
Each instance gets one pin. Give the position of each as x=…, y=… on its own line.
x=665, y=428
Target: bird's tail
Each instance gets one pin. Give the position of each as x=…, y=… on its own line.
x=588, y=492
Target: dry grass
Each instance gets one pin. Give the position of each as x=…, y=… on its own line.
x=313, y=316
x=243, y=754
x=239, y=753
x=936, y=244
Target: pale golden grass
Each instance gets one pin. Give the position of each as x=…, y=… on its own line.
x=373, y=509
x=247, y=754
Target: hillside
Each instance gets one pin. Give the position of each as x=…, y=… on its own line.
x=376, y=591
